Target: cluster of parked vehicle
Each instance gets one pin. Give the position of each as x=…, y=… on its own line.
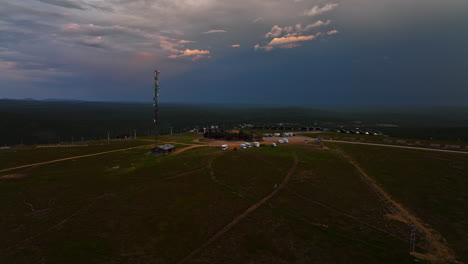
x=242, y=146
x=286, y=134
x=362, y=132
x=272, y=144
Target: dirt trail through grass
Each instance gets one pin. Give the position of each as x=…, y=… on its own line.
x=71, y=158
x=244, y=214
x=190, y=146
x=397, y=146
x=437, y=250
x=187, y=148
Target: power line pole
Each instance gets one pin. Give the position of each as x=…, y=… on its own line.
x=412, y=238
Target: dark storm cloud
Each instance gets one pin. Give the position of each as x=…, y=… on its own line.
x=64, y=3
x=14, y=10
x=285, y=49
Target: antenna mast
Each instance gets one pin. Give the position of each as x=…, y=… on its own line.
x=156, y=108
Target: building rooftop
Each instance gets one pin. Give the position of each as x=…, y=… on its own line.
x=166, y=147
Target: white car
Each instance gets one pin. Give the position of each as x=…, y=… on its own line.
x=247, y=144
x=285, y=140
x=276, y=134
x=243, y=146
x=273, y=144
x=281, y=141
x=224, y=147
x=256, y=144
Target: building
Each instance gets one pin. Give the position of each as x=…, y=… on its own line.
x=164, y=149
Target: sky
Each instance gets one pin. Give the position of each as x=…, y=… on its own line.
x=289, y=52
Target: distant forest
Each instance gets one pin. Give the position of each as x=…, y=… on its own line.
x=41, y=122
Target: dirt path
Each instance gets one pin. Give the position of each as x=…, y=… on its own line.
x=438, y=251
x=244, y=214
x=70, y=158
x=396, y=146
x=187, y=148
x=167, y=142
x=96, y=154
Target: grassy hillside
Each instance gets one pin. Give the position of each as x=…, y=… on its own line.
x=132, y=207
x=431, y=184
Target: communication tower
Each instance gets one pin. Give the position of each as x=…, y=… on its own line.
x=156, y=108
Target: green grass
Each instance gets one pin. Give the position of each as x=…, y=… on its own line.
x=284, y=230
x=32, y=154
x=389, y=140
x=133, y=207
x=433, y=185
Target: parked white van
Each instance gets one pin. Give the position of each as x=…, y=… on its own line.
x=224, y=147
x=256, y=144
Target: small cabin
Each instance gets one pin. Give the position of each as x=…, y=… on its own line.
x=164, y=149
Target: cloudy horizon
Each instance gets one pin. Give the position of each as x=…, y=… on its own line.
x=266, y=52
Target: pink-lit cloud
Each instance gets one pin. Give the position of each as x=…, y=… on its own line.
x=183, y=41
x=29, y=71
x=258, y=19
x=318, y=23
x=235, y=45
x=277, y=31
x=214, y=31
x=332, y=32
x=274, y=32
x=196, y=54
x=145, y=55
x=316, y=10
x=290, y=40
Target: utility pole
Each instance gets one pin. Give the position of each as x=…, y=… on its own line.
x=171, y=131
x=412, y=238
x=108, y=137
x=134, y=133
